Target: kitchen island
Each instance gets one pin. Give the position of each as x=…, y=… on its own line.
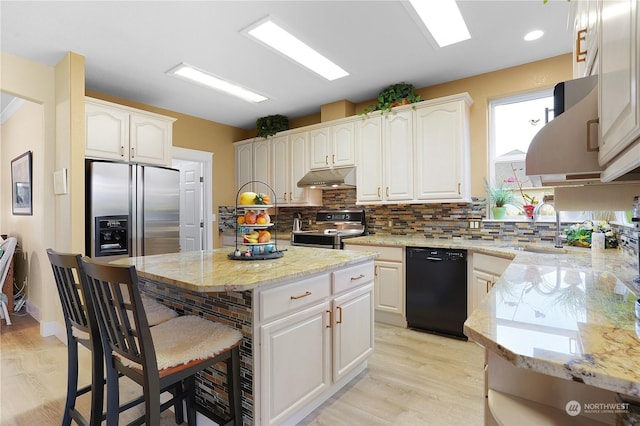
x=306, y=320
x=559, y=330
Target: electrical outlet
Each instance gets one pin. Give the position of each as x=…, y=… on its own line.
x=390, y=223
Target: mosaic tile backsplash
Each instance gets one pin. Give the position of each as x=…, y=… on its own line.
x=437, y=220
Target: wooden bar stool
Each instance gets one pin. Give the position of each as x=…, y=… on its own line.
x=81, y=328
x=157, y=357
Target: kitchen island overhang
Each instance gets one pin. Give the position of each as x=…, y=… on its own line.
x=256, y=297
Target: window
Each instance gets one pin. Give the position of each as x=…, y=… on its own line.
x=513, y=122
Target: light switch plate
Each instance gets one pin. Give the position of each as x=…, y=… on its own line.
x=60, y=182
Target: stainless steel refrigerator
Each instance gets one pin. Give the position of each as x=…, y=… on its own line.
x=132, y=210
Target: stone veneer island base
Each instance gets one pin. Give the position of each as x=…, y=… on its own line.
x=306, y=320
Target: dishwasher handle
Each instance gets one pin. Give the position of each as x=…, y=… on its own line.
x=438, y=259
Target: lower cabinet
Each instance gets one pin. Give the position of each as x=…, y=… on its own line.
x=485, y=271
x=389, y=282
x=314, y=335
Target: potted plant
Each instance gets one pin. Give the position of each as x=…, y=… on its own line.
x=271, y=124
x=394, y=95
x=499, y=196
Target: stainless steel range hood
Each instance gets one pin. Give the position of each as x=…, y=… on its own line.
x=339, y=178
x=565, y=151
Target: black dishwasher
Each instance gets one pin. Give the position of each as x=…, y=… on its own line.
x=437, y=290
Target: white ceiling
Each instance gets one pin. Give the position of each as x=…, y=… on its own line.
x=128, y=47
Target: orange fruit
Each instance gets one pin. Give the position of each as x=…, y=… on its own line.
x=240, y=220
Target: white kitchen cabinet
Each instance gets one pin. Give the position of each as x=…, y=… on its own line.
x=398, y=156
x=385, y=158
x=584, y=16
x=244, y=164
x=332, y=146
x=315, y=335
x=442, y=169
x=415, y=154
x=485, y=271
x=352, y=330
x=369, y=176
x=389, y=283
x=289, y=165
x=116, y=132
x=295, y=366
x=619, y=77
x=261, y=163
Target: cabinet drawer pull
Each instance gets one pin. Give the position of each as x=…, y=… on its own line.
x=339, y=315
x=306, y=293
x=375, y=271
x=330, y=319
x=589, y=123
x=378, y=192
x=458, y=188
x=333, y=159
x=387, y=192
x=326, y=159
x=357, y=278
x=581, y=55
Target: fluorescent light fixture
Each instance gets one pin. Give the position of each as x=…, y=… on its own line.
x=533, y=35
x=204, y=78
x=277, y=38
x=443, y=20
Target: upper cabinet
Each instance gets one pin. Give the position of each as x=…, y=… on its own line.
x=116, y=132
x=442, y=144
x=584, y=14
x=415, y=154
x=619, y=95
x=279, y=161
x=332, y=146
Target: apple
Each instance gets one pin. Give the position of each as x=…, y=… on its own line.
x=250, y=217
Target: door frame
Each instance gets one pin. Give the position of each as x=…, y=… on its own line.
x=206, y=159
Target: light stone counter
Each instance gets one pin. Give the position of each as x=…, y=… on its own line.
x=561, y=312
x=212, y=271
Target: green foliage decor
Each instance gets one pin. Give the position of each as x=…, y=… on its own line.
x=271, y=124
x=394, y=95
x=498, y=194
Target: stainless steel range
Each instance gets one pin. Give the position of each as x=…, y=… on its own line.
x=332, y=228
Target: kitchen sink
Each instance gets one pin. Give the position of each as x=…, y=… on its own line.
x=540, y=250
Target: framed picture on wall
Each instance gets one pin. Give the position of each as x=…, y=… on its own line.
x=21, y=190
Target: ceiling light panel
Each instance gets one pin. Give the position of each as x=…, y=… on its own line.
x=284, y=42
x=443, y=20
x=194, y=75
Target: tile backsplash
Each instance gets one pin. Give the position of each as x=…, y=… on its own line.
x=436, y=220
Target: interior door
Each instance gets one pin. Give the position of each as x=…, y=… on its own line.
x=191, y=217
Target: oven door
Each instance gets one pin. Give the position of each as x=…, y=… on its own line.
x=315, y=240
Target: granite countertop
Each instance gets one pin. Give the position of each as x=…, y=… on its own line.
x=212, y=271
x=567, y=312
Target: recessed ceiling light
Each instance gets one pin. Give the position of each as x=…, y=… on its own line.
x=194, y=75
x=443, y=20
x=533, y=35
x=277, y=38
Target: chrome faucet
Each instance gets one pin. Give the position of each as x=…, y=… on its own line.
x=548, y=200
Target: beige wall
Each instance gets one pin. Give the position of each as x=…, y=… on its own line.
x=203, y=135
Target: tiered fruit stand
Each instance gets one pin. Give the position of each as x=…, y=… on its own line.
x=255, y=244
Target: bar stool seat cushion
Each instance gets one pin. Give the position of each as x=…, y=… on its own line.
x=188, y=338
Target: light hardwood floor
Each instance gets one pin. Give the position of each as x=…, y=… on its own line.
x=413, y=379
